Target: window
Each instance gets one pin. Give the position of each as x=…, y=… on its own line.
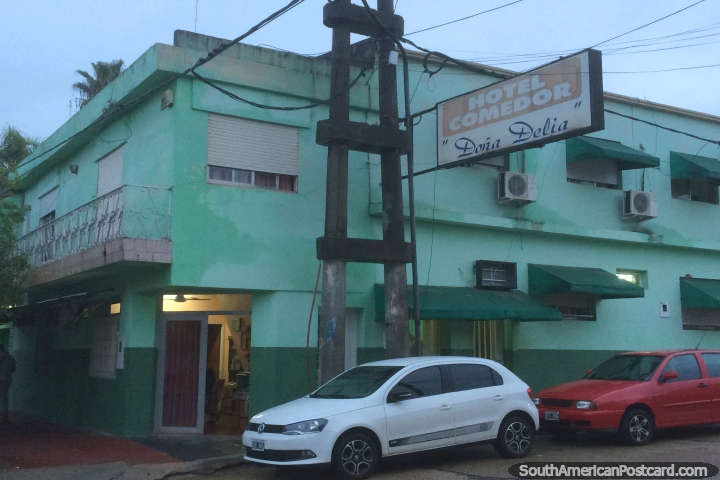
x=599, y=173
x=270, y=181
x=695, y=190
x=469, y=377
x=600, y=162
x=254, y=154
x=685, y=365
x=110, y=169
x=573, y=306
x=500, y=275
x=633, y=276
x=26, y=225
x=421, y=383
x=104, y=348
x=712, y=362
x=694, y=178
x=47, y=206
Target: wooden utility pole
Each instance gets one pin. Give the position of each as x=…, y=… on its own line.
x=331, y=327
x=396, y=305
x=339, y=134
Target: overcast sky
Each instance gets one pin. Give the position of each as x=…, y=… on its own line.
x=674, y=61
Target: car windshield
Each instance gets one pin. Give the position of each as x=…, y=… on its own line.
x=627, y=367
x=358, y=382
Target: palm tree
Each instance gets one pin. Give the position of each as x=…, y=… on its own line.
x=14, y=146
x=105, y=72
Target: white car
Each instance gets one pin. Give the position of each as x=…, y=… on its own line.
x=397, y=406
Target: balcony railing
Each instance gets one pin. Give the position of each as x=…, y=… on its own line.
x=128, y=212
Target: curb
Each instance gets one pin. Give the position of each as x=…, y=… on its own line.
x=123, y=471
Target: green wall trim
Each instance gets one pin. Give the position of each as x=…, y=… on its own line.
x=278, y=375
x=545, y=368
x=68, y=396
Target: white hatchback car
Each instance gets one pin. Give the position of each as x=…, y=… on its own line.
x=397, y=406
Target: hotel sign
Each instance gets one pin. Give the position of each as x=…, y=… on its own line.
x=559, y=100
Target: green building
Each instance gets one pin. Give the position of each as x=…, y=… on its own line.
x=172, y=239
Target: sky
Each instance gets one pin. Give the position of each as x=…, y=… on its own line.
x=673, y=61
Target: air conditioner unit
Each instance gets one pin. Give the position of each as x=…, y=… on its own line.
x=516, y=188
x=639, y=205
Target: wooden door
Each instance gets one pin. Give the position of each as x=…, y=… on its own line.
x=181, y=374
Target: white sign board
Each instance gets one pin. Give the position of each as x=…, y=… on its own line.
x=558, y=100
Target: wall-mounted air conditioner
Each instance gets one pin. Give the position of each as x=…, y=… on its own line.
x=516, y=188
x=639, y=205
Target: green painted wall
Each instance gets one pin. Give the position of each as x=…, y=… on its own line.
x=125, y=405
x=279, y=375
x=545, y=368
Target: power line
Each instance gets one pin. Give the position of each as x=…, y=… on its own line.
x=716, y=142
x=648, y=24
x=464, y=18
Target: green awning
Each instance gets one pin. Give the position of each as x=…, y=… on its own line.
x=589, y=148
x=465, y=303
x=548, y=279
x=699, y=293
x=693, y=167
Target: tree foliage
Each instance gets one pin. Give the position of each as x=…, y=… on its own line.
x=104, y=73
x=14, y=146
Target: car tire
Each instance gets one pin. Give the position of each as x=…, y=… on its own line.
x=515, y=437
x=636, y=427
x=355, y=456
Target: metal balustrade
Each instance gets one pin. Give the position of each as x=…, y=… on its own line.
x=128, y=212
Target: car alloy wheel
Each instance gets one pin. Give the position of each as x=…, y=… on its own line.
x=636, y=427
x=515, y=438
x=355, y=456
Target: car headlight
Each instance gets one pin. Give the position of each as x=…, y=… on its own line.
x=308, y=426
x=536, y=401
x=586, y=405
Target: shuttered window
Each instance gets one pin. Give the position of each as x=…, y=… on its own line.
x=110, y=172
x=573, y=306
x=602, y=172
x=47, y=206
x=104, y=348
x=251, y=153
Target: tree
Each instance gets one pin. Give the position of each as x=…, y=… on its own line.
x=105, y=72
x=14, y=147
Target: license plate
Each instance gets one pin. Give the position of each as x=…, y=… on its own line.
x=258, y=445
x=552, y=415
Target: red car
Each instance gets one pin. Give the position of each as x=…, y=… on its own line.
x=636, y=392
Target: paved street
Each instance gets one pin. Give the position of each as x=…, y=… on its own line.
x=679, y=445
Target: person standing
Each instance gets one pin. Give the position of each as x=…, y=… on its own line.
x=7, y=367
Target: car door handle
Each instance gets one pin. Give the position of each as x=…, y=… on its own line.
x=444, y=408
x=703, y=385
x=499, y=397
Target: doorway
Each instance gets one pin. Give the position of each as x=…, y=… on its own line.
x=463, y=337
x=203, y=364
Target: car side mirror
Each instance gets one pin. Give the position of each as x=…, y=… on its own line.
x=669, y=375
x=394, y=397
x=587, y=372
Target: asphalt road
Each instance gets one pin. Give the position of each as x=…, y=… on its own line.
x=701, y=444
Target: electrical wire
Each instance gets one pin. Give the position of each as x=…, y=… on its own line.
x=716, y=142
x=271, y=107
x=464, y=18
x=648, y=24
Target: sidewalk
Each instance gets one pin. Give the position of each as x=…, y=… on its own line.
x=33, y=449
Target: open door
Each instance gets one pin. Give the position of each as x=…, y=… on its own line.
x=180, y=403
